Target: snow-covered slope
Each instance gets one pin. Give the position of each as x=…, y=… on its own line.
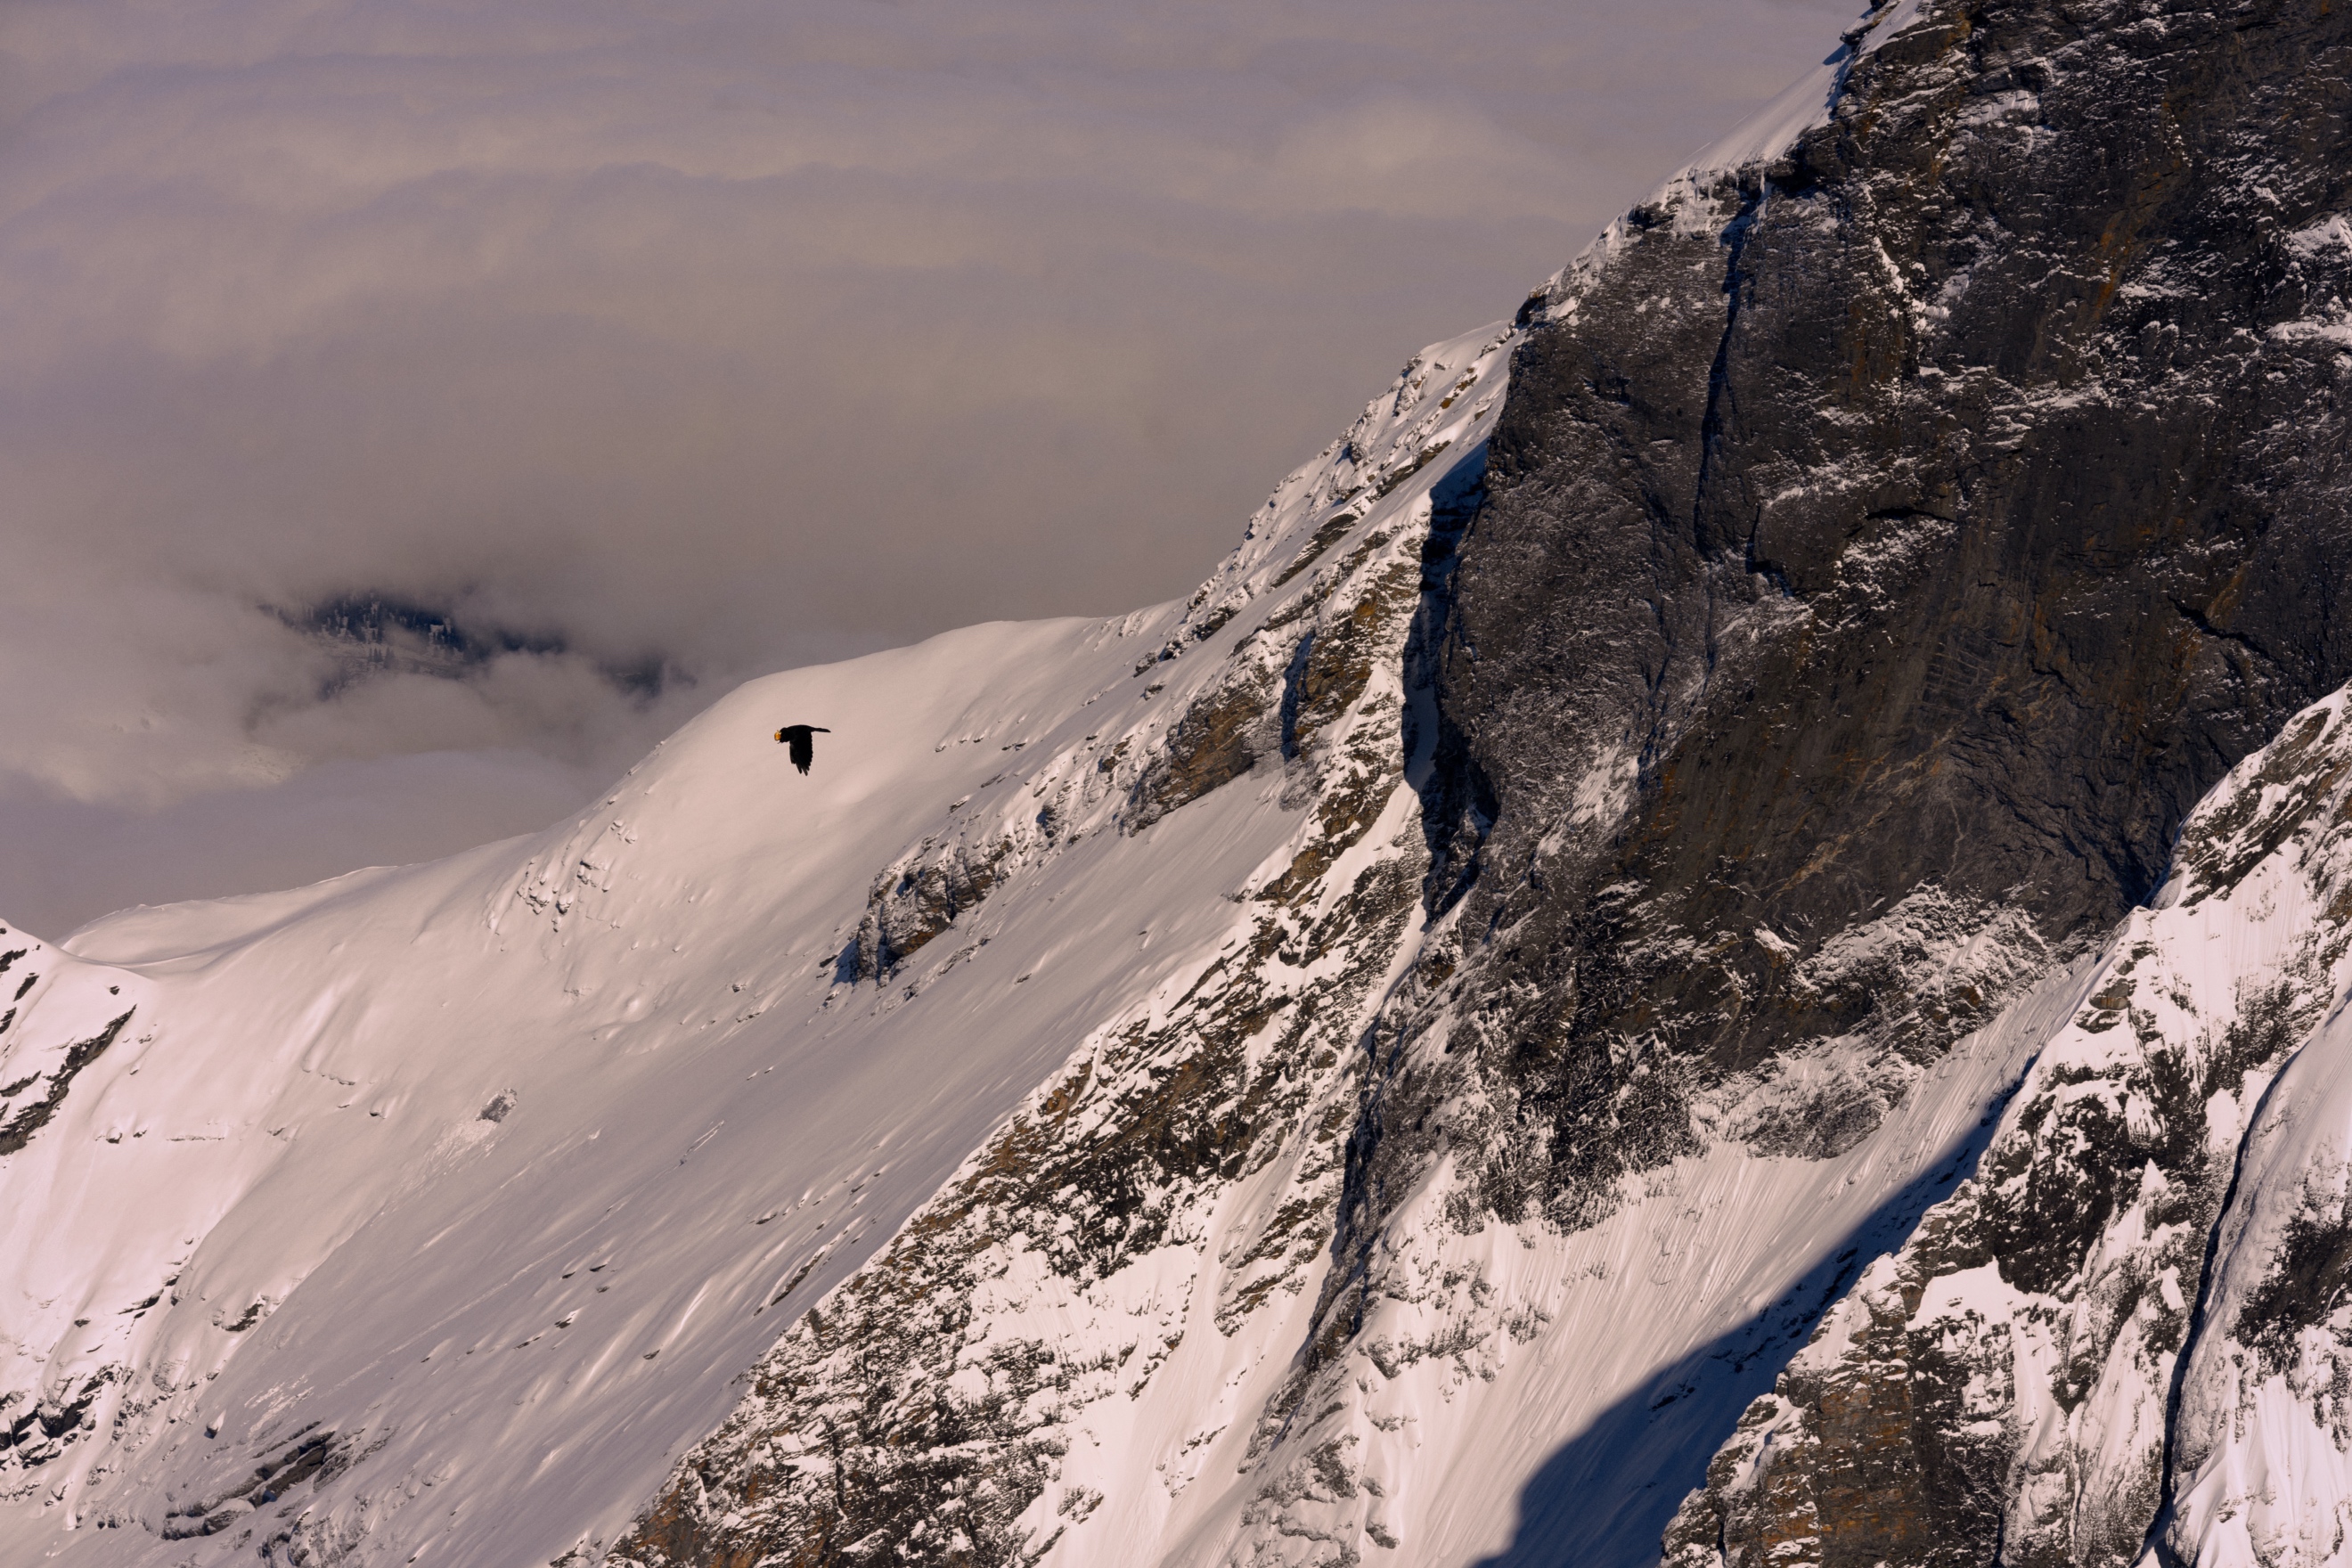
x=364, y=1148
x=466, y=1276
x=1643, y=958
x=434, y=1210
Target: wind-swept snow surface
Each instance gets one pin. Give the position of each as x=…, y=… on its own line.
x=481, y=1172
x=431, y=1212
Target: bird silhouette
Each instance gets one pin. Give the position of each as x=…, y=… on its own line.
x=796, y=736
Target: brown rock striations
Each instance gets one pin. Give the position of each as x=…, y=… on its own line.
x=916, y=899
x=1220, y=738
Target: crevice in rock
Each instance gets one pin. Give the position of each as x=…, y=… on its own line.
x=1458, y=802
x=1719, y=392
x=1293, y=679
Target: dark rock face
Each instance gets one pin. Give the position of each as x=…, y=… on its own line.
x=2008, y=1385
x=1881, y=552
x=916, y=899
x=1947, y=505
x=17, y=1130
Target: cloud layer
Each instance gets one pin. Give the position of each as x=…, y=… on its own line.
x=653, y=347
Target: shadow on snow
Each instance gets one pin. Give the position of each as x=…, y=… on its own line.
x=1605, y=1496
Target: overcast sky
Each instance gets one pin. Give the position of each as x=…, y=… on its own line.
x=653, y=346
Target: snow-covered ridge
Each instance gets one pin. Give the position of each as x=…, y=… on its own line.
x=432, y=1210
x=1152, y=1216
x=1078, y=1124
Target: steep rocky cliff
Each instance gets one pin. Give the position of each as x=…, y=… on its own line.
x=1642, y=962
x=1892, y=532
x=1944, y=503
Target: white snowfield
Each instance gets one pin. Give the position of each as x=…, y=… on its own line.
x=485, y=1165
x=455, y=1196
x=431, y=1215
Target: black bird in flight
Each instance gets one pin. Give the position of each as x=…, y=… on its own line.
x=796, y=736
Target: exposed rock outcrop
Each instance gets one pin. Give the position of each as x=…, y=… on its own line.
x=2002, y=1388
x=1945, y=503
x=1885, y=542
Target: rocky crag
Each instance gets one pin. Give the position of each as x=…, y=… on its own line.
x=1886, y=541
x=1923, y=520
x=2007, y=1386
x=1724, y=937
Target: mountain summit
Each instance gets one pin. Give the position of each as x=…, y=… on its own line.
x=1723, y=939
